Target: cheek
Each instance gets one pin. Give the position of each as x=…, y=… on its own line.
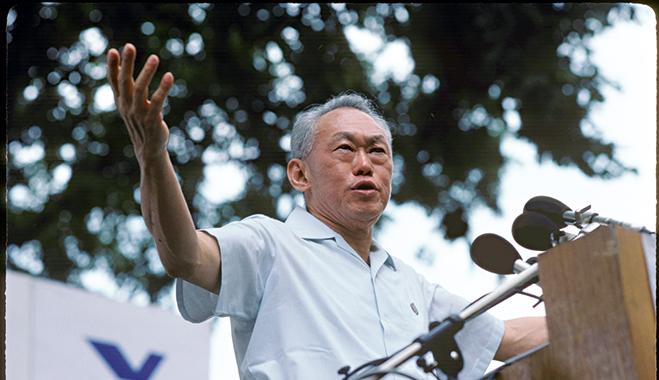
x=389, y=181
x=329, y=179
x=388, y=172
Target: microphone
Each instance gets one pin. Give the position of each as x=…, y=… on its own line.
x=450, y=326
x=562, y=215
x=549, y=207
x=535, y=231
x=495, y=254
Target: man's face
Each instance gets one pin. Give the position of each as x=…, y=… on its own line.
x=349, y=169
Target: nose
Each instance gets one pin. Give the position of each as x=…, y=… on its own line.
x=362, y=164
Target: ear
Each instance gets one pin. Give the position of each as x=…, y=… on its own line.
x=297, y=175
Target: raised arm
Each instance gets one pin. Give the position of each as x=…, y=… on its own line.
x=185, y=253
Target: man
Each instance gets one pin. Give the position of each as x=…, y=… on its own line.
x=316, y=293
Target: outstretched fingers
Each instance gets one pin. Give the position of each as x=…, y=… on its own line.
x=120, y=75
x=160, y=96
x=141, y=89
x=113, y=70
x=125, y=77
x=143, y=116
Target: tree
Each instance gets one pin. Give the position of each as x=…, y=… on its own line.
x=242, y=73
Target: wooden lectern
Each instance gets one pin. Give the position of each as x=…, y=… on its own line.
x=600, y=312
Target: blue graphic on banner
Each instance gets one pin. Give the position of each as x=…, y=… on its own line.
x=120, y=366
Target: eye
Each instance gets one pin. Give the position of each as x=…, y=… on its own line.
x=378, y=150
x=344, y=147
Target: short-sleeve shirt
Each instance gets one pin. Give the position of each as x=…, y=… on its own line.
x=303, y=303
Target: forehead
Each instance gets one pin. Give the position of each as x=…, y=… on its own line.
x=344, y=122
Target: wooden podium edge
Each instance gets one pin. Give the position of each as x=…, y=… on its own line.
x=624, y=260
x=638, y=298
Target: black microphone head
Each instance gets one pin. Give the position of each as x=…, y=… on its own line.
x=549, y=207
x=494, y=254
x=533, y=231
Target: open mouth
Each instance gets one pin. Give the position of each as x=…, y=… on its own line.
x=364, y=186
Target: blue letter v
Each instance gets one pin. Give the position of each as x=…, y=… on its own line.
x=120, y=366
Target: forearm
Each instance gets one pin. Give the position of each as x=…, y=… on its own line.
x=167, y=216
x=521, y=335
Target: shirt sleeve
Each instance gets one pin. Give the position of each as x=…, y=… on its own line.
x=194, y=303
x=247, y=254
x=479, y=338
x=479, y=341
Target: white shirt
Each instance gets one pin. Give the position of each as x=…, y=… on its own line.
x=303, y=304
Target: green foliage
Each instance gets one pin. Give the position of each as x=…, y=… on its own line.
x=242, y=73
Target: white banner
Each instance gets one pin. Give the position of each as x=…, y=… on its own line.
x=56, y=332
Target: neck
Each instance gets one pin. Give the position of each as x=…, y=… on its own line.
x=359, y=236
x=360, y=242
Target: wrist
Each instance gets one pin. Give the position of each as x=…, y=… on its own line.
x=147, y=157
x=155, y=162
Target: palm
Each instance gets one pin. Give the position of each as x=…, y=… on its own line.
x=143, y=116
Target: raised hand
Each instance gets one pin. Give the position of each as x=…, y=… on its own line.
x=143, y=117
x=184, y=252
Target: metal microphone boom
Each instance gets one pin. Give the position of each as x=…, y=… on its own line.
x=580, y=218
x=563, y=215
x=452, y=325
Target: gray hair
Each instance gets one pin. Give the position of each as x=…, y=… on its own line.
x=304, y=130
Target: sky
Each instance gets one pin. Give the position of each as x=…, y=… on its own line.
x=626, y=54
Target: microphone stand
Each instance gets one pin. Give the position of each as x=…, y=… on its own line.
x=440, y=339
x=581, y=218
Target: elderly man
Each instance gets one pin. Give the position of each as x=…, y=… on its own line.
x=316, y=293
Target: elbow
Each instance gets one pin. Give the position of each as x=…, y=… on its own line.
x=179, y=257
x=197, y=262
x=177, y=270
x=177, y=267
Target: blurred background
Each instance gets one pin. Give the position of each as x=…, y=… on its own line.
x=490, y=104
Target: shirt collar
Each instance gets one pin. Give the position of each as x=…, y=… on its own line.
x=308, y=227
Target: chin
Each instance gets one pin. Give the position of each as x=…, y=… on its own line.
x=370, y=212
